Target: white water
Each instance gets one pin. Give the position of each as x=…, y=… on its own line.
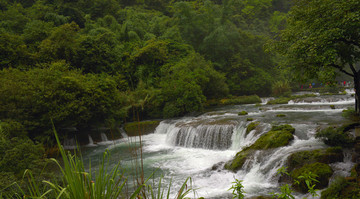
x=191, y=146
x=91, y=142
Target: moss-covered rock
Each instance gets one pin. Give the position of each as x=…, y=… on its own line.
x=281, y=100
x=278, y=136
x=341, y=188
x=321, y=170
x=332, y=106
x=280, y=115
x=327, y=156
x=252, y=126
x=249, y=119
x=334, y=136
x=252, y=99
x=144, y=127
x=239, y=160
x=243, y=113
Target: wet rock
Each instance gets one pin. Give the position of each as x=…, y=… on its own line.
x=278, y=136
x=218, y=166
x=252, y=126
x=327, y=156
x=243, y=113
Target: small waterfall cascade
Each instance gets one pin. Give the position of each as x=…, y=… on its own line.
x=241, y=139
x=262, y=165
x=206, y=136
x=69, y=143
x=91, y=141
x=104, y=137
x=123, y=133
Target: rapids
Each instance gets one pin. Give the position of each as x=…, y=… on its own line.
x=198, y=147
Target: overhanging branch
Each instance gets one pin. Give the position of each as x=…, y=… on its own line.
x=344, y=71
x=349, y=42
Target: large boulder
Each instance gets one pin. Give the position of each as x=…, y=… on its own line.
x=327, y=156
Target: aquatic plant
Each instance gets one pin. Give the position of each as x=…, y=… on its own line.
x=237, y=189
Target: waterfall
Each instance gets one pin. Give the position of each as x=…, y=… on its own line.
x=104, y=137
x=69, y=143
x=206, y=136
x=123, y=133
x=91, y=141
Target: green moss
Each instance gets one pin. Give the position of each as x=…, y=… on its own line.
x=144, y=127
x=332, y=106
x=252, y=126
x=285, y=100
x=321, y=170
x=333, y=136
x=337, y=190
x=252, y=99
x=243, y=113
x=278, y=136
x=249, y=119
x=281, y=100
x=327, y=156
x=238, y=161
x=280, y=115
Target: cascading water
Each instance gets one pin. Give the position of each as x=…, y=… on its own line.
x=199, y=146
x=104, y=137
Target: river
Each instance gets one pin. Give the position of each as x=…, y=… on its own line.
x=191, y=146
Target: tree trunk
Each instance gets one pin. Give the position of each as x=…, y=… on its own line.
x=357, y=92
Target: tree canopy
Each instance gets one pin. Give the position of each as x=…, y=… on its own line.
x=322, y=37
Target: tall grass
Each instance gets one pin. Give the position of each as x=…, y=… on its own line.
x=103, y=183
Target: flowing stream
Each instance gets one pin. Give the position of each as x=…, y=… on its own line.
x=198, y=147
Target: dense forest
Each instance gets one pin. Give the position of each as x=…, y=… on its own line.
x=102, y=62
x=77, y=63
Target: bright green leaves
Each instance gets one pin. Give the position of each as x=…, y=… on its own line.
x=67, y=97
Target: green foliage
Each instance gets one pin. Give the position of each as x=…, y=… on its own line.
x=69, y=98
x=144, y=127
x=316, y=171
x=321, y=38
x=285, y=192
x=17, y=154
x=335, y=137
x=310, y=181
x=237, y=189
x=341, y=188
x=280, y=88
x=252, y=99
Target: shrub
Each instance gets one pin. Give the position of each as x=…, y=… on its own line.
x=322, y=172
x=145, y=127
x=333, y=136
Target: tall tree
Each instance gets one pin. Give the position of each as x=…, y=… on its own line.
x=323, y=36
